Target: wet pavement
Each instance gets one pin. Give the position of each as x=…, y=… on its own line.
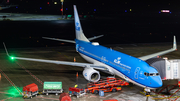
x=18, y=73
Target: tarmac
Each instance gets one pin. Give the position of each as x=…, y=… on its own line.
x=15, y=74
x=29, y=17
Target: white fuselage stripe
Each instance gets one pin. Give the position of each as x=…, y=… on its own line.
x=111, y=69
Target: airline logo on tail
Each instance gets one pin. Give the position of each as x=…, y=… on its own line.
x=77, y=26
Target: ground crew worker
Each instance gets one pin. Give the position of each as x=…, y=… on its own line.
x=147, y=91
x=76, y=86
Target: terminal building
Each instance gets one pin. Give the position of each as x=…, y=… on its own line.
x=168, y=69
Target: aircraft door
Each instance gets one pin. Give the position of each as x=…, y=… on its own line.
x=136, y=73
x=77, y=46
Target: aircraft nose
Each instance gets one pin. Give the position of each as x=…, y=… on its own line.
x=157, y=82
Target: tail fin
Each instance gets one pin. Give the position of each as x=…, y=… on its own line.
x=78, y=29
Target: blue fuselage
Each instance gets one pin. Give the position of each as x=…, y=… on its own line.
x=120, y=64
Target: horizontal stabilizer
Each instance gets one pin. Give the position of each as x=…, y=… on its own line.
x=95, y=37
x=70, y=41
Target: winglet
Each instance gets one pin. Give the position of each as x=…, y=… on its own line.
x=6, y=49
x=174, y=44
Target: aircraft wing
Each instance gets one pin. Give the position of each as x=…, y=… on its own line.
x=144, y=58
x=63, y=63
x=88, y=65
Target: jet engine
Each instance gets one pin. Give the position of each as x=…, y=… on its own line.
x=91, y=75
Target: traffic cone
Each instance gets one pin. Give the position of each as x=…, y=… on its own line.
x=77, y=74
x=74, y=59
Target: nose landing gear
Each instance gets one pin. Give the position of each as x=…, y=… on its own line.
x=147, y=92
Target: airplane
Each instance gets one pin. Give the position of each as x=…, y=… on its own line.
x=132, y=69
x=4, y=5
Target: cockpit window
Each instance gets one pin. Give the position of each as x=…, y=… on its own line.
x=157, y=74
x=151, y=74
x=146, y=74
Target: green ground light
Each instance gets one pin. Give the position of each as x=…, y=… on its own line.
x=12, y=58
x=14, y=92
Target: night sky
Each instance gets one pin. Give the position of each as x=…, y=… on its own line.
x=120, y=21
x=95, y=7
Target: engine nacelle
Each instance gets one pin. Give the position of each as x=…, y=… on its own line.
x=91, y=75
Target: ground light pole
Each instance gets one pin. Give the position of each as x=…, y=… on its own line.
x=62, y=6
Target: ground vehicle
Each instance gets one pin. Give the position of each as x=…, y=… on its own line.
x=76, y=91
x=109, y=81
x=105, y=89
x=110, y=84
x=52, y=87
x=30, y=90
x=64, y=97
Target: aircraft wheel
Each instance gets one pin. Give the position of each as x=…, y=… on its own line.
x=114, y=90
x=87, y=91
x=96, y=92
